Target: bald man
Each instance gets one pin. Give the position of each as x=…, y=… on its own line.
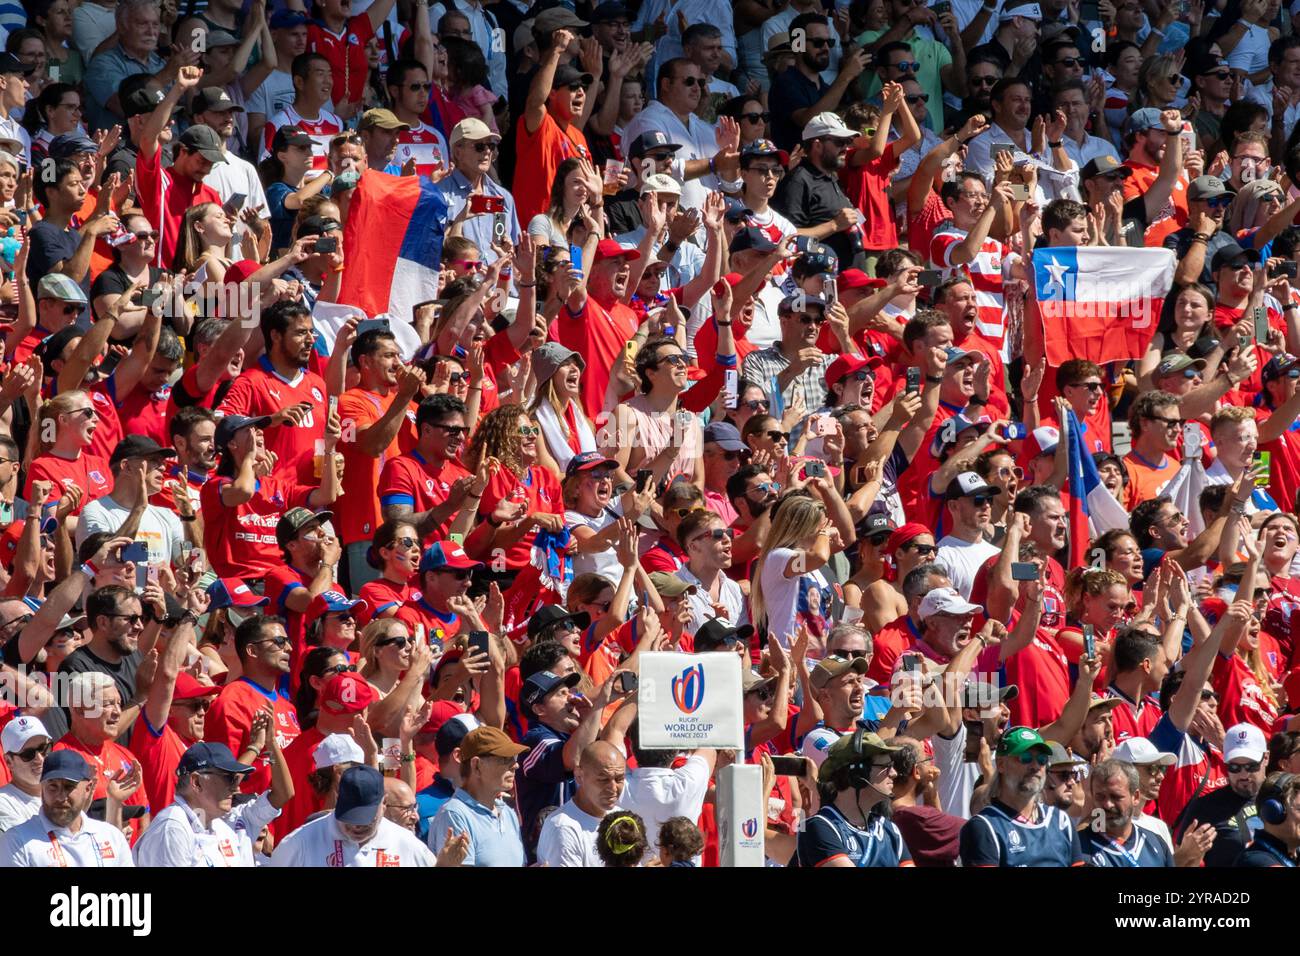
x=399, y=803
x=569, y=833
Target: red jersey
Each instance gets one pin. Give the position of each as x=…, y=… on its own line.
x=598, y=335
x=867, y=187
x=1241, y=698
x=890, y=643
x=108, y=431
x=164, y=196
x=1042, y=672
x=299, y=756
x=412, y=480
x=1172, y=216
x=188, y=393
x=240, y=542
x=262, y=391
x=664, y=555
x=160, y=754
x=425, y=145
x=111, y=761
x=1284, y=460
x=420, y=616
x=88, y=472
x=280, y=582
x=539, y=487
x=539, y=156
x=381, y=595
x=1283, y=602
x=145, y=413
x=1133, y=719
x=359, y=409
x=346, y=52
x=985, y=273
x=322, y=129
x=231, y=717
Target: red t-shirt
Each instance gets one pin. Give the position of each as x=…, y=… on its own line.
x=599, y=335
x=1173, y=216
x=380, y=595
x=108, y=758
x=539, y=155
x=108, y=431
x=1133, y=720
x=359, y=409
x=664, y=555
x=145, y=413
x=231, y=717
x=890, y=643
x=420, y=616
x=346, y=52
x=240, y=542
x=410, y=479
x=298, y=756
x=539, y=487
x=1284, y=461
x=867, y=187
x=160, y=754
x=1042, y=673
x=164, y=196
x=280, y=581
x=261, y=391
x=88, y=472
x=1241, y=698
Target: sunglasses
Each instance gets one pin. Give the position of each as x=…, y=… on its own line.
x=767, y=487
x=1219, y=75
x=676, y=361
x=340, y=669
x=1167, y=422
x=918, y=98
x=812, y=319
x=924, y=550
x=31, y=753
x=906, y=66
x=419, y=87
x=756, y=117
x=1090, y=386
x=456, y=378
x=400, y=641
x=575, y=87
x=345, y=618
x=778, y=436
x=146, y=236
x=474, y=264
x=683, y=512
x=278, y=641
x=876, y=540
x=758, y=404
x=1041, y=759
x=717, y=534
x=19, y=622
x=529, y=431
x=454, y=430
x=773, y=172
x=660, y=157
x=767, y=693
x=196, y=705
x=820, y=42
x=72, y=310
x=483, y=146
x=1251, y=766
x=462, y=574
x=1071, y=61
x=983, y=81
x=132, y=618
x=847, y=655
x=1221, y=202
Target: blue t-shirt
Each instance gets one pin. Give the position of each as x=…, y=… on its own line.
x=429, y=801
x=997, y=836
x=1142, y=848
x=281, y=219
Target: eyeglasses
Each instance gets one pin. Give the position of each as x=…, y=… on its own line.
x=1041, y=759
x=133, y=619
x=279, y=641
x=1250, y=766
x=400, y=640
x=906, y=66
x=1071, y=61
x=756, y=117
x=453, y=430
x=1090, y=386
x=1167, y=422
x=675, y=360
x=529, y=431
x=820, y=42
x=778, y=436
x=31, y=753
x=419, y=87
x=812, y=319
x=767, y=172
x=717, y=534
x=76, y=107
x=340, y=669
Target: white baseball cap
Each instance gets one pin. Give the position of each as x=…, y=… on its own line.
x=945, y=601
x=19, y=731
x=827, y=124
x=1139, y=750
x=1244, y=741
x=660, y=183
x=336, y=749
x=1047, y=437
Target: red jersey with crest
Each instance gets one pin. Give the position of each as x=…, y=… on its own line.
x=539, y=487
x=985, y=273
x=359, y=409
x=160, y=753
x=108, y=431
x=321, y=130
x=412, y=480
x=231, y=718
x=425, y=145
x=261, y=390
x=382, y=595
x=240, y=542
x=346, y=52
x=111, y=761
x=421, y=617
x=88, y=472
x=145, y=413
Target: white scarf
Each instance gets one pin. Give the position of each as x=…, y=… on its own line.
x=557, y=441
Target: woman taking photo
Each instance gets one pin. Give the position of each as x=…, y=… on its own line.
x=284, y=176
x=396, y=552
x=566, y=430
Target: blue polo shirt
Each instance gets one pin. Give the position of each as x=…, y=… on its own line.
x=997, y=836
x=494, y=838
x=429, y=801
x=829, y=835
x=1142, y=848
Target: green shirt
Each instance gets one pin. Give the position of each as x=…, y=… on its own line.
x=933, y=57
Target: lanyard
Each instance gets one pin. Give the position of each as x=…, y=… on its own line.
x=1123, y=850
x=1286, y=860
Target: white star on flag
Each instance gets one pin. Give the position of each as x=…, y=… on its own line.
x=1057, y=272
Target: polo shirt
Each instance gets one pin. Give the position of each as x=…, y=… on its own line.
x=104, y=73
x=1141, y=849
x=792, y=91
x=998, y=836
x=494, y=835
x=38, y=842
x=322, y=842
x=829, y=836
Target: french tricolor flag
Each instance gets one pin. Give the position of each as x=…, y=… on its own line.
x=392, y=244
x=1089, y=498
x=1100, y=303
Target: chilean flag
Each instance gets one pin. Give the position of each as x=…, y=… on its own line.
x=1089, y=498
x=1098, y=302
x=392, y=244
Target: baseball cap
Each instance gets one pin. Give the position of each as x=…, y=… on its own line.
x=751, y=681
x=139, y=446
x=650, y=140
x=287, y=136
x=1206, y=63
x=218, y=38
x=609, y=10
x=551, y=614
x=1230, y=255
x=452, y=732
x=70, y=144
x=827, y=124
x=725, y=435
x=295, y=520
x=347, y=693
x=1146, y=118
x=1047, y=438
x=670, y=585
x=566, y=74
x=1208, y=187
x=1280, y=365
x=445, y=556
x=1103, y=166
x=587, y=461
x=66, y=765
x=970, y=485
x=1139, y=750
x=11, y=64
x=983, y=694
x=661, y=183
x=318, y=226
x=240, y=270
x=1244, y=742
x=736, y=211
x=843, y=753
x=1019, y=740
x=286, y=19
x=751, y=238
x=140, y=101
x=19, y=731
x=556, y=18
x=206, y=755
x=379, y=118
x=947, y=435
x=331, y=602
x=230, y=425
x=537, y=687
x=189, y=687
x=716, y=633
x=53, y=345
x=360, y=794
x=945, y=601
x=829, y=668
x=1174, y=362
x=55, y=285
x=613, y=249
x=799, y=302
x=489, y=742
x=473, y=129
x=232, y=592
x=547, y=359
x=523, y=35
x=1096, y=700
x=206, y=141
x=335, y=749
x=212, y=99
x=857, y=279
x=849, y=363
x=764, y=147
x=876, y=524
x=1060, y=757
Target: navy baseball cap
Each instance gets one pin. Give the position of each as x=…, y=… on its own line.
x=586, y=461
x=651, y=139
x=66, y=765
x=287, y=19
x=203, y=757
x=753, y=238
x=725, y=435
x=361, y=791
x=538, y=686
x=231, y=424
x=737, y=211
x=70, y=144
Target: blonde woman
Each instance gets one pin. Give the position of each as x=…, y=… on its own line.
x=205, y=236
x=395, y=664
x=789, y=586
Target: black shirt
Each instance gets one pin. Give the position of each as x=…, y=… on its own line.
x=83, y=660
x=622, y=212
x=50, y=246
x=1266, y=851
x=1181, y=243
x=791, y=91
x=809, y=197
x=1235, y=823
x=115, y=281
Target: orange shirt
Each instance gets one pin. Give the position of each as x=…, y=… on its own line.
x=539, y=156
x=1172, y=216
x=360, y=408
x=1145, y=481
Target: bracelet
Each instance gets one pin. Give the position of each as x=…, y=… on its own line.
x=1204, y=237
x=408, y=758
x=934, y=379
x=89, y=570
x=525, y=285
x=976, y=400
x=1030, y=399
x=723, y=325
x=188, y=517
x=1290, y=305
x=1057, y=145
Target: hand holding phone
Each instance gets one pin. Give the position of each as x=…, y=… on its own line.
x=1089, y=641
x=326, y=244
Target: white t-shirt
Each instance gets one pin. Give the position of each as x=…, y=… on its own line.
x=275, y=93
x=322, y=842
x=781, y=595
x=569, y=838
x=605, y=563
x=38, y=842
x=963, y=559
x=957, y=777
x=657, y=794
x=17, y=806
x=177, y=836
x=160, y=529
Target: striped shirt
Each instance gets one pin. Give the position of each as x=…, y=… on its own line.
x=985, y=274
x=766, y=364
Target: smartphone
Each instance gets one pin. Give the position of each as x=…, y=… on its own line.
x=732, y=388
x=369, y=325
x=137, y=552
x=913, y=379
x=150, y=296
x=787, y=766
x=1002, y=148
x=326, y=244
x=478, y=642
x=942, y=7
x=814, y=469
x=627, y=682
x=234, y=204
x=1089, y=641
x=1192, y=436
x=643, y=476
x=974, y=735
x=803, y=244
x=575, y=258
x=1019, y=192
x=1265, y=461
x=1016, y=431
x=830, y=290
x=821, y=425
x=1287, y=269
x=929, y=278
x=1260, y=314
x=481, y=203
x=1024, y=571
x=912, y=663
x=1188, y=136
x=391, y=754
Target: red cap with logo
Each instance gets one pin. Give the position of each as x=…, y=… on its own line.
x=847, y=364
x=347, y=693
x=189, y=687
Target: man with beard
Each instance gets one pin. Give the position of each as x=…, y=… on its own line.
x=706, y=540
x=958, y=302
x=382, y=426
x=569, y=834
x=965, y=549
x=563, y=725
x=1232, y=809
x=752, y=491
x=445, y=571
x=61, y=834
x=138, y=465
x=113, y=614
x=1016, y=829
x=1112, y=839
x=1197, y=244
x=1277, y=843
x=263, y=651
x=852, y=828
x=796, y=362
x=427, y=485
x=1149, y=135
x=214, y=108
x=1063, y=787
x=282, y=386
x=811, y=195
x=800, y=93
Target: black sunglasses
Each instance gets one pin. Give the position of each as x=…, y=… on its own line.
x=454, y=430
x=401, y=640
x=778, y=436
x=340, y=669
x=756, y=117
x=31, y=753
x=279, y=641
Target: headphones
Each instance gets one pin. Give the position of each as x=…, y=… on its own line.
x=859, y=772
x=1269, y=802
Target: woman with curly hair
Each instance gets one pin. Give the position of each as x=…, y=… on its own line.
x=621, y=839
x=507, y=441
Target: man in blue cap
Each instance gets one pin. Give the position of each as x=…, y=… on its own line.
x=61, y=834
x=356, y=832
x=1150, y=135
x=199, y=827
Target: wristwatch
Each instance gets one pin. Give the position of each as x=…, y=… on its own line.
x=934, y=379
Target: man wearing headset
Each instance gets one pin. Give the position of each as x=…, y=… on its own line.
x=1277, y=843
x=856, y=781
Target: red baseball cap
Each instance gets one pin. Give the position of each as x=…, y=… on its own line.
x=900, y=537
x=347, y=693
x=188, y=688
x=847, y=364
x=857, y=279
x=241, y=270
x=441, y=712
x=1291, y=684
x=9, y=542
x=612, y=249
